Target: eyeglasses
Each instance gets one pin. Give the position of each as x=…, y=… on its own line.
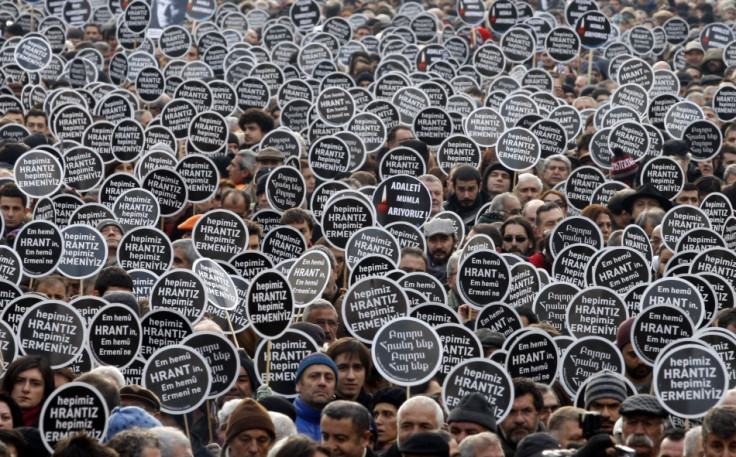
x=559, y=203
x=510, y=238
x=513, y=212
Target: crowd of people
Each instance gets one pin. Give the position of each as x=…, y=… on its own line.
x=342, y=405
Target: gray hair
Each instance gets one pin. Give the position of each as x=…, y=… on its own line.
x=421, y=401
x=452, y=263
x=524, y=177
x=169, y=438
x=730, y=170
x=556, y=158
x=430, y=178
x=112, y=373
x=283, y=424
x=320, y=303
x=188, y=245
x=691, y=441
x=481, y=441
x=358, y=414
x=653, y=216
x=557, y=420
x=500, y=201
x=246, y=160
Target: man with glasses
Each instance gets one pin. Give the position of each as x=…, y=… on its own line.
x=322, y=313
x=518, y=237
x=413, y=260
x=506, y=204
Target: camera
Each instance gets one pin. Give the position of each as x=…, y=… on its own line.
x=590, y=423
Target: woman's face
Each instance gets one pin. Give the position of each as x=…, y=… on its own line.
x=6, y=418
x=604, y=223
x=28, y=389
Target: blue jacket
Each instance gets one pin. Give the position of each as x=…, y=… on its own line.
x=307, y=420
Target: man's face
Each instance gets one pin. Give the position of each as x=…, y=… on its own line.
x=688, y=197
x=716, y=446
x=401, y=135
x=555, y=173
x=236, y=174
x=316, y=386
x=549, y=220
x=435, y=191
x=440, y=247
x=242, y=387
x=417, y=419
x=515, y=239
x=527, y=191
x=254, y=243
x=341, y=436
x=180, y=259
x=571, y=433
x=642, y=204
x=36, y=124
x=16, y=117
x=412, y=263
x=112, y=236
x=253, y=133
x=55, y=290
x=499, y=181
x=522, y=420
x=669, y=448
x=303, y=228
x=13, y=211
x=706, y=168
x=664, y=258
x=251, y=443
x=385, y=417
x=351, y=376
x=642, y=432
x=466, y=192
x=462, y=430
x=635, y=368
x=92, y=33
x=608, y=408
x=327, y=320
x=235, y=203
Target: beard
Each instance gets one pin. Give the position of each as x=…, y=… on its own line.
x=640, y=371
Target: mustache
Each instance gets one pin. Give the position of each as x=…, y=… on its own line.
x=639, y=440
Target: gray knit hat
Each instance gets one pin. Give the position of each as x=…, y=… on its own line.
x=474, y=408
x=604, y=384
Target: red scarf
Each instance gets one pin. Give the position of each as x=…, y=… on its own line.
x=30, y=417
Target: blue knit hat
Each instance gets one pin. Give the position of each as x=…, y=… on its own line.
x=315, y=358
x=125, y=418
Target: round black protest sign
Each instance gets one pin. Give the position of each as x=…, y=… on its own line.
x=305, y=14
x=161, y=328
x=596, y=311
x=401, y=160
x=594, y=29
x=371, y=240
x=147, y=248
x=219, y=235
x=219, y=289
x=425, y=284
x=581, y=184
x=370, y=128
x=620, y=269
x=656, y=327
x=179, y=376
x=534, y=355
x=718, y=208
x=115, y=336
x=270, y=304
x=551, y=135
x=180, y=290
x=84, y=168
x=309, y=276
x=284, y=356
x=70, y=122
x=677, y=30
x=407, y=351
x=72, y=408
x=525, y=283
x=485, y=126
x=562, y=44
x=678, y=221
x=724, y=343
x=177, y=115
x=136, y=208
x=636, y=71
x=675, y=292
x=40, y=246
x=249, y=263
x=636, y=238
x=550, y=304
x=631, y=137
x=407, y=235
x=518, y=44
x=327, y=156
x=724, y=103
x=127, y=140
x=379, y=265
x=518, y=149
x=665, y=174
x=703, y=139
x=502, y=15
x=222, y=358
x=200, y=175
x=208, y=132
x=268, y=219
x=679, y=116
x=483, y=278
x=10, y=265
x=633, y=96
x=335, y=106
x=150, y=84
x=710, y=296
x=435, y=314
x=32, y=53
x=85, y=251
x=370, y=304
x=584, y=358
x=97, y=137
x=575, y=230
x=729, y=232
x=137, y=16
x=499, y=317
x=408, y=102
x=482, y=376
x=689, y=380
x=15, y=304
x=459, y=343
x=471, y=12
x=285, y=188
x=283, y=243
x=53, y=330
x=175, y=41
x=169, y=189
x=489, y=61
x=8, y=345
x=719, y=264
x=38, y=173
x=457, y=150
x=402, y=198
x=432, y=126
x=698, y=239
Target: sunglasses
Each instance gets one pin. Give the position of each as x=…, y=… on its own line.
x=510, y=238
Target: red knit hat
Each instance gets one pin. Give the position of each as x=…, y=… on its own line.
x=623, y=167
